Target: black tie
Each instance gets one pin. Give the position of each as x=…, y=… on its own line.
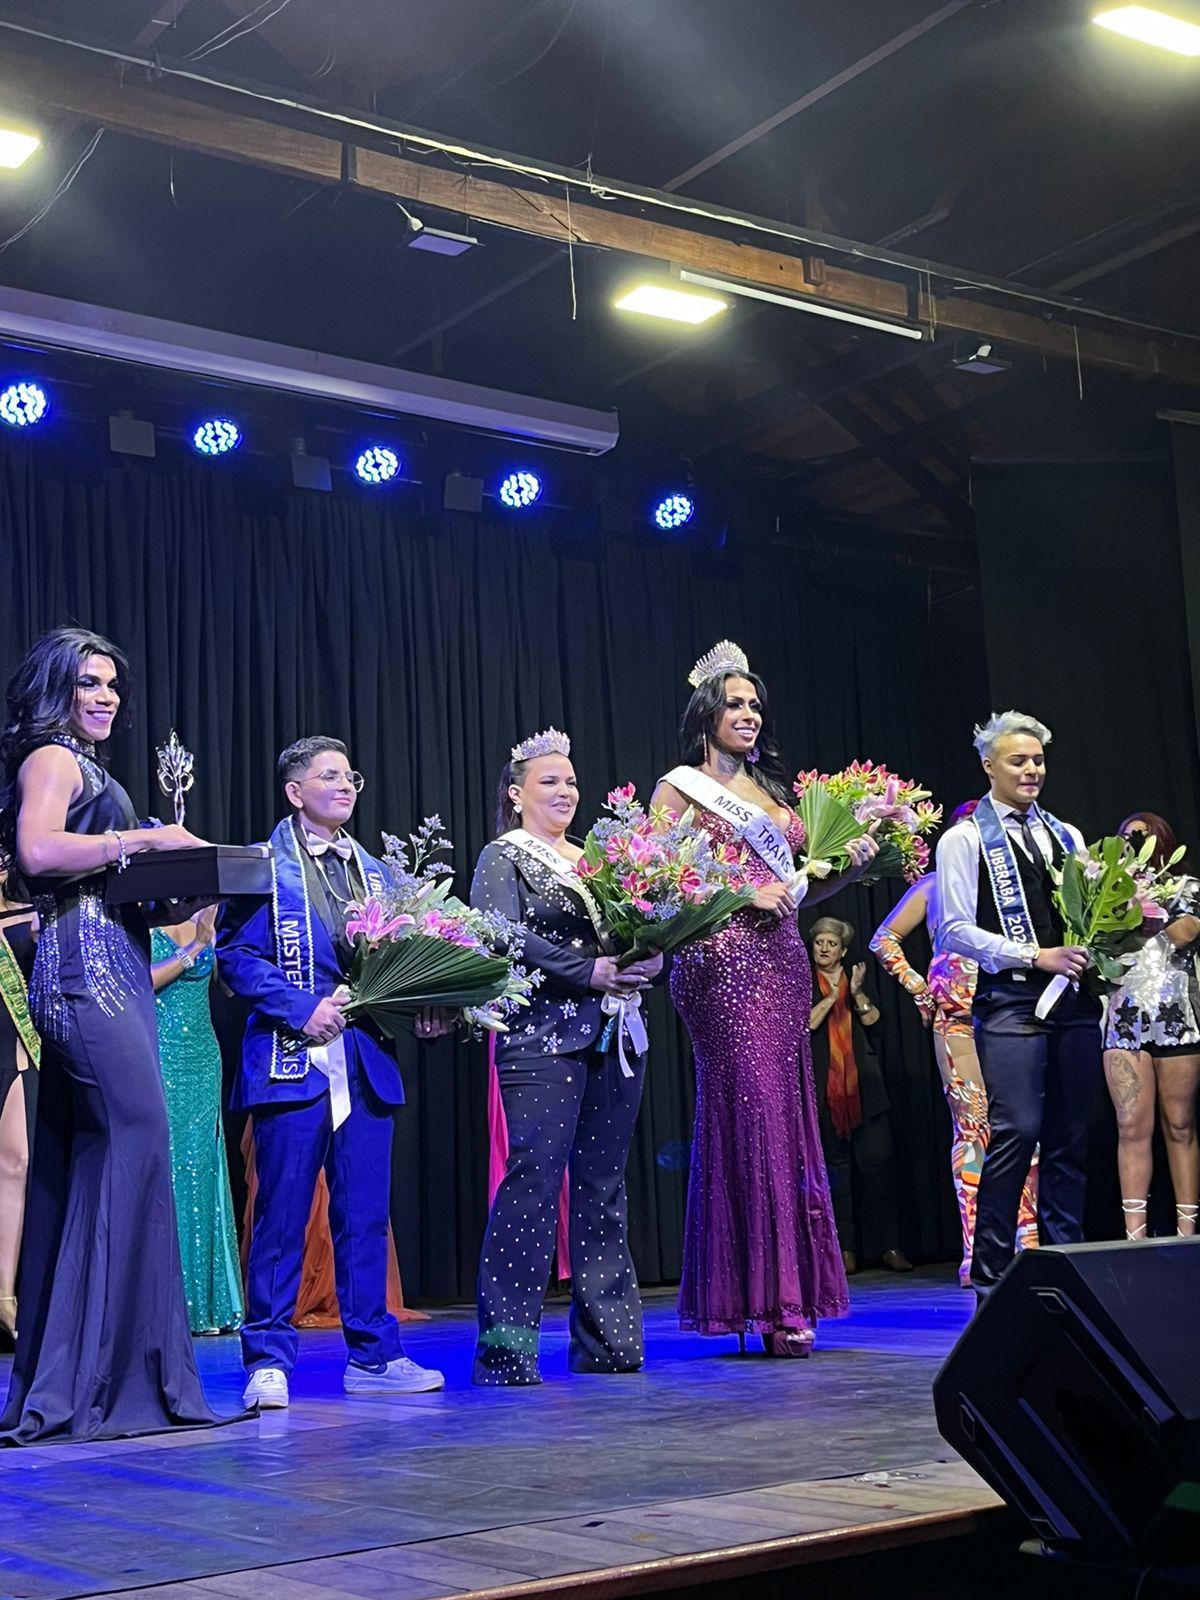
x=1028, y=840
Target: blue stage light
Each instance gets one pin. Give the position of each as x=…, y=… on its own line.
x=216, y=437
x=673, y=510
x=520, y=489
x=23, y=404
x=377, y=464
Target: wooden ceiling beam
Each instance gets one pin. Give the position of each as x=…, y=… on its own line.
x=154, y=112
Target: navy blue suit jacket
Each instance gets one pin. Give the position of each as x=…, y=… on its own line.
x=246, y=959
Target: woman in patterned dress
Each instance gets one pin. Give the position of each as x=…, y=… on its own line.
x=1152, y=1049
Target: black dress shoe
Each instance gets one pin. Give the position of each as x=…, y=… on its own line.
x=896, y=1261
x=849, y=1262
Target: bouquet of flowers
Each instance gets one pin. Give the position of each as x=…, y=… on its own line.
x=416, y=945
x=835, y=808
x=1111, y=899
x=658, y=881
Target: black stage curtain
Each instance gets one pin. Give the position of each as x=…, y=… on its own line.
x=1087, y=628
x=430, y=645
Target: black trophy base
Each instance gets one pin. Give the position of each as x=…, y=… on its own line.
x=202, y=872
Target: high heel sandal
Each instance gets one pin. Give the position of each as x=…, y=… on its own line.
x=1131, y=1208
x=1186, y=1213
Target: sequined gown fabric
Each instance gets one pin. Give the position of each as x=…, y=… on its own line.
x=103, y=1346
x=191, y=1073
x=760, y=1247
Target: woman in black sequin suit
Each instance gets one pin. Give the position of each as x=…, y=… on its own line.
x=567, y=1104
x=103, y=1347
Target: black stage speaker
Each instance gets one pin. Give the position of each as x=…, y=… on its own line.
x=1076, y=1394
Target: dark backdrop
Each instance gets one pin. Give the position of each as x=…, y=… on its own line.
x=1087, y=613
x=431, y=645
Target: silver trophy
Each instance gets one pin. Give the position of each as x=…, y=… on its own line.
x=175, y=776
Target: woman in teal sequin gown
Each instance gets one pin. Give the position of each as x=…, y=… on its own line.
x=183, y=965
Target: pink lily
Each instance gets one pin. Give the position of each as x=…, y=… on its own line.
x=371, y=922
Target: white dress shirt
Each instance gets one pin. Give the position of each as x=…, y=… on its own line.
x=958, y=891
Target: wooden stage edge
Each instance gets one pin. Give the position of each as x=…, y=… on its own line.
x=647, y=1549
x=745, y=1560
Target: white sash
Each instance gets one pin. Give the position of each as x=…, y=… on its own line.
x=627, y=1012
x=547, y=856
x=749, y=821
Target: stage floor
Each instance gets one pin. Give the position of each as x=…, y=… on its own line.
x=470, y=1489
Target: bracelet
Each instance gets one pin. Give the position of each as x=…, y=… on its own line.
x=121, y=858
x=185, y=958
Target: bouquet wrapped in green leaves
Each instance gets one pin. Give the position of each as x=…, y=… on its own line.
x=1111, y=899
x=836, y=808
x=416, y=945
x=658, y=880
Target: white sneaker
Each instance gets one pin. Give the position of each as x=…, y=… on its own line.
x=267, y=1390
x=401, y=1376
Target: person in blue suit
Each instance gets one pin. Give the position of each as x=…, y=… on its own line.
x=322, y=1093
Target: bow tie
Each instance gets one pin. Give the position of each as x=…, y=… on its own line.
x=316, y=848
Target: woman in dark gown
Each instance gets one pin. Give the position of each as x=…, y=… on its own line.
x=103, y=1347
x=760, y=1247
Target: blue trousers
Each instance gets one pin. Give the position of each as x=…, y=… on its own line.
x=291, y=1144
x=578, y=1112
x=1041, y=1079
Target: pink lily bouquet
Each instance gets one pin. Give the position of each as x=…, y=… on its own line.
x=1112, y=901
x=835, y=808
x=657, y=880
x=416, y=945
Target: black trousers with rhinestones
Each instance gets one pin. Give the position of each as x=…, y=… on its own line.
x=576, y=1112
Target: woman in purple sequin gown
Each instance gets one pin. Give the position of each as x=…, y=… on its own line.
x=760, y=1246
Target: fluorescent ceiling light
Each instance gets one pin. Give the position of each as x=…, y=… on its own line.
x=1153, y=27
x=16, y=147
x=794, y=302
x=438, y=241
x=42, y=319
x=674, y=304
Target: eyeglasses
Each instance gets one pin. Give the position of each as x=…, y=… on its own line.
x=332, y=779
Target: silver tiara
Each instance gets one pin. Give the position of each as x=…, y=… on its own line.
x=723, y=657
x=550, y=743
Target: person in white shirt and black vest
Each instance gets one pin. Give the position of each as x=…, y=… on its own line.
x=1041, y=1076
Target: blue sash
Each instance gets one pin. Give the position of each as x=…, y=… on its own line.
x=1000, y=859
x=292, y=920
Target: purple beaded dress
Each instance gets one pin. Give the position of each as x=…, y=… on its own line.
x=760, y=1247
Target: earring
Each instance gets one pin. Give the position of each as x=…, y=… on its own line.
x=517, y=807
x=752, y=757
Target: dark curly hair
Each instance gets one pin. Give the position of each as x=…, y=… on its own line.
x=700, y=722
x=40, y=700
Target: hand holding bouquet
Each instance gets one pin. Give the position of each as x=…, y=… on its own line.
x=837, y=808
x=416, y=945
x=1112, y=900
x=657, y=881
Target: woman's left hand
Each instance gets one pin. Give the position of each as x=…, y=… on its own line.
x=857, y=973
x=862, y=851
x=647, y=969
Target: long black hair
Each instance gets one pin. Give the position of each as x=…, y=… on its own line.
x=507, y=815
x=700, y=723
x=41, y=700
